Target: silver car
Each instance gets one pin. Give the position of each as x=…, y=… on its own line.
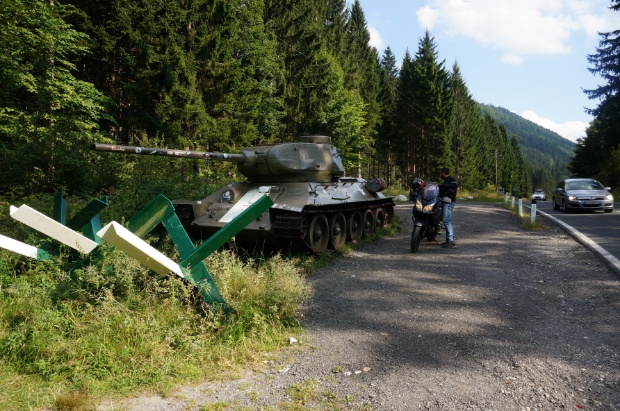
x=582, y=194
x=539, y=194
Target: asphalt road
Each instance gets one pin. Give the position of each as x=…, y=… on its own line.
x=601, y=227
x=509, y=320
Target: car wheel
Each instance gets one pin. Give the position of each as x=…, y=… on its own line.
x=555, y=206
x=564, y=206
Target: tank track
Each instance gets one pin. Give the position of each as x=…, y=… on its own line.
x=289, y=227
x=294, y=226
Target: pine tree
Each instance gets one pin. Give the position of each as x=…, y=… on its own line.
x=522, y=181
x=467, y=129
x=362, y=70
x=196, y=73
x=388, y=97
x=301, y=40
x=407, y=131
x=336, y=19
x=48, y=117
x=435, y=105
x=605, y=134
x=508, y=168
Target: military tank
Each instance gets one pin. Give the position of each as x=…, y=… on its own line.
x=313, y=202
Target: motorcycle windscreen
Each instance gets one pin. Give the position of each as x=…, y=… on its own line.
x=431, y=191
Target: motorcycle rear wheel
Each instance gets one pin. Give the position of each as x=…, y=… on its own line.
x=416, y=237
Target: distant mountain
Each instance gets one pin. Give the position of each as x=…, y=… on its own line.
x=546, y=152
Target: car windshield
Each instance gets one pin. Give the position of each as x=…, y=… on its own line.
x=583, y=185
x=539, y=190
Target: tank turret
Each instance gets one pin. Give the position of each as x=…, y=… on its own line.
x=313, y=203
x=309, y=159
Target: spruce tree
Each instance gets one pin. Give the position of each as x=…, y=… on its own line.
x=48, y=117
x=466, y=131
x=388, y=97
x=301, y=40
x=196, y=73
x=605, y=134
x=434, y=107
x=508, y=168
x=406, y=145
x=522, y=180
x=362, y=71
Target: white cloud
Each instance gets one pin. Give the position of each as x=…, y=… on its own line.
x=570, y=130
x=511, y=59
x=427, y=17
x=520, y=27
x=375, y=39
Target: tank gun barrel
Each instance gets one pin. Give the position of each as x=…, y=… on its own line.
x=201, y=155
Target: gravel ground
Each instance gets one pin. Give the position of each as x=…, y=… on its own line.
x=510, y=319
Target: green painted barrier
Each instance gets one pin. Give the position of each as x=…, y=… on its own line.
x=160, y=210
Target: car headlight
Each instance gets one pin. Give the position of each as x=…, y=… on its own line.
x=609, y=197
x=428, y=208
x=571, y=198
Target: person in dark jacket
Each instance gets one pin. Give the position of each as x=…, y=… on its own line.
x=448, y=189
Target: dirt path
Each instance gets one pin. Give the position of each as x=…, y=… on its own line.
x=508, y=320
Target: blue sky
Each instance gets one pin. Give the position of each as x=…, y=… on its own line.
x=528, y=56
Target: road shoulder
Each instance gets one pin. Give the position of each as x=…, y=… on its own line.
x=510, y=319
x=612, y=262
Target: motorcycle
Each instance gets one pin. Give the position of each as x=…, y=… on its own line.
x=427, y=210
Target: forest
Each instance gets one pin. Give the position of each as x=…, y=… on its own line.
x=220, y=75
x=546, y=153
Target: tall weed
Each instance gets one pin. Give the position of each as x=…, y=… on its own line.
x=114, y=328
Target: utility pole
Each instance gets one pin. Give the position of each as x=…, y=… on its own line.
x=496, y=157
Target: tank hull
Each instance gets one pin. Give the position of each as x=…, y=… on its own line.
x=302, y=212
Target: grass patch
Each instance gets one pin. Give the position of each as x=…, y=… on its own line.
x=115, y=333
x=72, y=401
x=116, y=329
x=217, y=406
x=526, y=217
x=487, y=195
x=395, y=191
x=314, y=394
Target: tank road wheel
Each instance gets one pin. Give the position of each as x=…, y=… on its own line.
x=369, y=223
x=379, y=219
x=317, y=236
x=337, y=230
x=354, y=226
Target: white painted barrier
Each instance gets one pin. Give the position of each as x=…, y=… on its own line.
x=520, y=207
x=506, y=198
x=533, y=213
x=135, y=247
x=513, y=202
x=244, y=202
x=52, y=228
x=18, y=247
